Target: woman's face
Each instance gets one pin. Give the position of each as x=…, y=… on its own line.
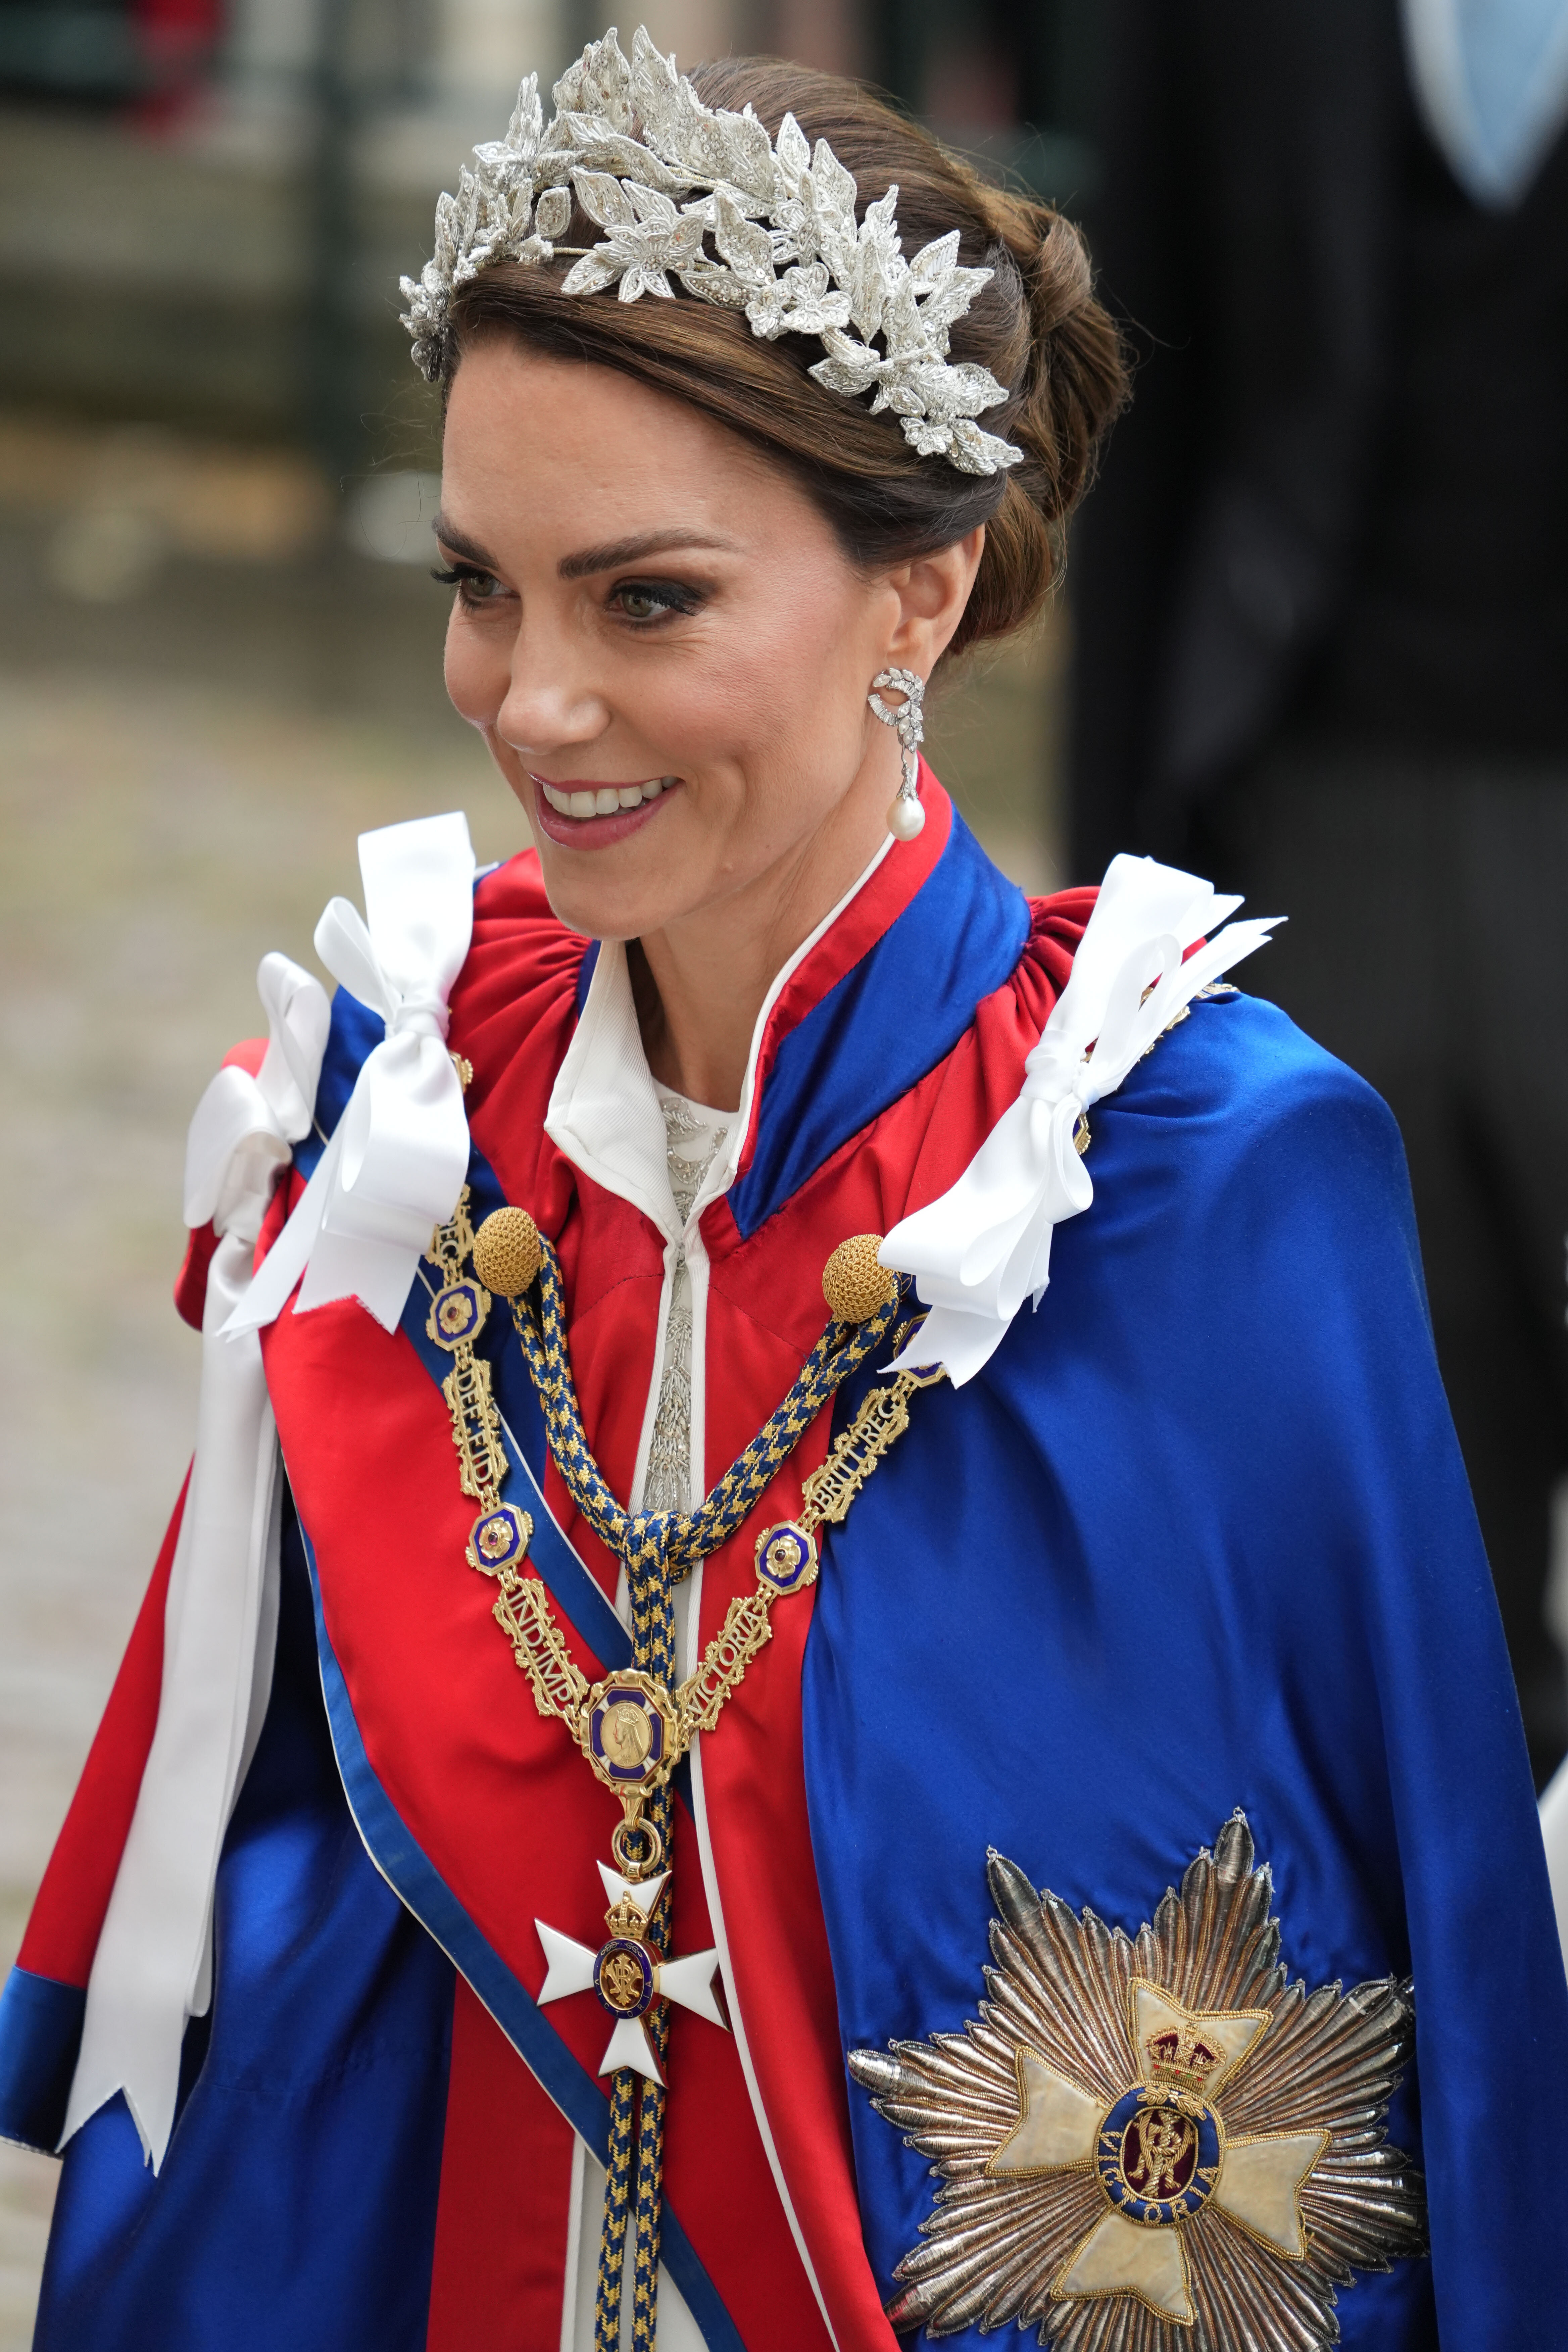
x=659, y=639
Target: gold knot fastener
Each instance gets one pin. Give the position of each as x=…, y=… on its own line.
x=853, y=1281
x=508, y=1252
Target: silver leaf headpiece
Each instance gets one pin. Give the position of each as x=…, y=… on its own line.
x=667, y=178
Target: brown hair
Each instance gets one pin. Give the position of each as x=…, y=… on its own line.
x=1037, y=326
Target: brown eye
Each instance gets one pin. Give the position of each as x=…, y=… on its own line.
x=647, y=601
x=641, y=604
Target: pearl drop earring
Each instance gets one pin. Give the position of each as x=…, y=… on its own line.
x=906, y=816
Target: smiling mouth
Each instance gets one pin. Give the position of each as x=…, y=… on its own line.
x=584, y=801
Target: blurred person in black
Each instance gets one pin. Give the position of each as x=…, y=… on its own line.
x=1321, y=604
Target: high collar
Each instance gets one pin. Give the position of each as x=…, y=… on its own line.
x=876, y=995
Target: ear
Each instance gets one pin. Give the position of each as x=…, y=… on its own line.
x=931, y=591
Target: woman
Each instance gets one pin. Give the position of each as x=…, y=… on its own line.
x=862, y=1672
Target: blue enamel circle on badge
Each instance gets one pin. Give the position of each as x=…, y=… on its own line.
x=624, y=1977
x=499, y=1538
x=786, y=1557
x=1158, y=2161
x=456, y=1314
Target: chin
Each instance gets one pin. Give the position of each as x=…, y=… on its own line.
x=602, y=907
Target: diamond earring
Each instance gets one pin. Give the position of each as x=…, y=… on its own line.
x=906, y=816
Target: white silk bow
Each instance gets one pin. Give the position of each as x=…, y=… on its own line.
x=152, y=1969
x=983, y=1247
x=396, y=1162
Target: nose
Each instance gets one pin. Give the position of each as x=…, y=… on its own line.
x=551, y=703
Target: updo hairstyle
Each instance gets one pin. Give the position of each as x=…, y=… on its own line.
x=1037, y=326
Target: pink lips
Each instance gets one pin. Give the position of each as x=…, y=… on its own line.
x=591, y=831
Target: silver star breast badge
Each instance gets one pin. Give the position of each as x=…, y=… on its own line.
x=1162, y=2144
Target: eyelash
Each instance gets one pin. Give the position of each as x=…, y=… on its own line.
x=667, y=593
x=469, y=580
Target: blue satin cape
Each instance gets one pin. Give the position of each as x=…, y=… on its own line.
x=1199, y=1538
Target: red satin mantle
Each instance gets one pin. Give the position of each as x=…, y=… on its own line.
x=497, y=1798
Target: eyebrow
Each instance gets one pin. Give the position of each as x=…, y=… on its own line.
x=461, y=544
x=617, y=551
x=588, y=561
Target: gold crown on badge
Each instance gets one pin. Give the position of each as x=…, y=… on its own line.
x=624, y=1919
x=1181, y=2060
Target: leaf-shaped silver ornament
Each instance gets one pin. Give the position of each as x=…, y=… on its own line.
x=903, y=336
x=742, y=154
x=974, y=451
x=638, y=278
x=947, y=303
x=850, y=367
x=594, y=146
x=932, y=265
x=526, y=129
x=873, y=272
x=835, y=189
x=792, y=153
x=590, y=273
x=968, y=389
x=604, y=199
x=445, y=252
x=634, y=140
x=668, y=109
x=652, y=206
x=552, y=213
x=712, y=282
x=599, y=83
x=747, y=248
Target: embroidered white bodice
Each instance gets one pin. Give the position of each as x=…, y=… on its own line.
x=694, y=1137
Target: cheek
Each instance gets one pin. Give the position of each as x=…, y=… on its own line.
x=478, y=668
x=810, y=669
x=792, y=665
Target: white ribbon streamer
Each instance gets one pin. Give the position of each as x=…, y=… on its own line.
x=153, y=1970
x=983, y=1247
x=397, y=1159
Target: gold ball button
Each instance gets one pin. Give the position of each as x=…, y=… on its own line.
x=508, y=1252
x=853, y=1283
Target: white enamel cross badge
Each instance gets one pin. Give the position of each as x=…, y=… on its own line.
x=626, y=1974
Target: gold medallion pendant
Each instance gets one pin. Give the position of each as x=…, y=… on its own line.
x=1157, y=2145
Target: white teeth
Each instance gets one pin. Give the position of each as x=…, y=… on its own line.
x=606, y=800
